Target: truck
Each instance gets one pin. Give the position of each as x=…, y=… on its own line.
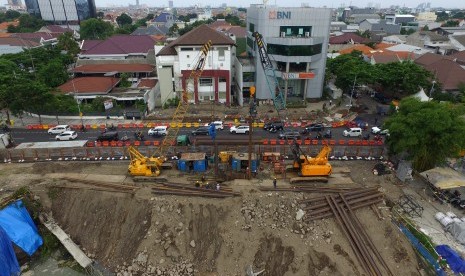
x=5, y=141
x=383, y=109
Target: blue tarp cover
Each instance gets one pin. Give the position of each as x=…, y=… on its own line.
x=20, y=228
x=456, y=263
x=8, y=263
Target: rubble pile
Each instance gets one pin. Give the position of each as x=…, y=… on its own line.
x=141, y=266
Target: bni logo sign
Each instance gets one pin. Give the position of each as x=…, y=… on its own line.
x=279, y=15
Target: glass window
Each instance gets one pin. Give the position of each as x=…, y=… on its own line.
x=221, y=53
x=205, y=82
x=251, y=27
x=248, y=76
x=299, y=50
x=222, y=79
x=295, y=30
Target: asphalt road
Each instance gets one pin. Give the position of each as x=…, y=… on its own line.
x=26, y=135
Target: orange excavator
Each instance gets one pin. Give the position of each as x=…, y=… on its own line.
x=311, y=169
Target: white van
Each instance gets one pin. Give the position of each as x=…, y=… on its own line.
x=353, y=132
x=158, y=131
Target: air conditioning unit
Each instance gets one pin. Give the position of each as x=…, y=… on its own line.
x=307, y=34
x=283, y=34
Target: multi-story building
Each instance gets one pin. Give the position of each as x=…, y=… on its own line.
x=296, y=41
x=175, y=61
x=68, y=12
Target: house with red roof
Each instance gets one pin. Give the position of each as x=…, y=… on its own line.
x=175, y=61
x=346, y=40
x=447, y=70
x=121, y=48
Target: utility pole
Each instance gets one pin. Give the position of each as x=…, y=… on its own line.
x=252, y=115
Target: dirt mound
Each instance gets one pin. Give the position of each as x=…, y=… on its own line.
x=273, y=256
x=320, y=264
x=107, y=226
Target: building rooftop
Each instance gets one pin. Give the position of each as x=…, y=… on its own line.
x=359, y=47
x=89, y=85
x=118, y=44
x=120, y=68
x=348, y=38
x=147, y=83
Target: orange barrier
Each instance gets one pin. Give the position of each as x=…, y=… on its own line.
x=332, y=142
x=281, y=142
x=29, y=127
x=358, y=142
x=307, y=142
x=342, y=142
x=324, y=142
x=119, y=126
x=99, y=144
x=156, y=143
x=290, y=142
x=273, y=142
x=372, y=142
x=105, y=143
x=365, y=142
x=113, y=143
x=126, y=125
x=265, y=141
x=88, y=127
x=127, y=143
x=147, y=143
x=102, y=126
x=140, y=125
x=351, y=142
x=299, y=142
x=380, y=143
x=120, y=143
x=90, y=144
x=136, y=143
x=314, y=142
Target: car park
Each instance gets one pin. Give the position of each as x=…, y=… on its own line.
x=313, y=127
x=353, y=132
x=59, y=129
x=158, y=131
x=289, y=135
x=218, y=125
x=108, y=136
x=200, y=131
x=66, y=136
x=239, y=129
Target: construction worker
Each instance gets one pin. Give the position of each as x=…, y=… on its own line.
x=274, y=182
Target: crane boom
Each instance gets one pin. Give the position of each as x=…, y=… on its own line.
x=276, y=92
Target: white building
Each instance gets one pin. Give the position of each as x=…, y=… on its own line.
x=176, y=60
x=297, y=42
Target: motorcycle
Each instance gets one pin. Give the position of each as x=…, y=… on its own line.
x=318, y=136
x=139, y=136
x=328, y=134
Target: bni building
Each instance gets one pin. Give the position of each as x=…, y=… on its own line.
x=62, y=12
x=296, y=40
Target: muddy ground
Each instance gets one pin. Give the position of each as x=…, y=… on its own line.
x=145, y=234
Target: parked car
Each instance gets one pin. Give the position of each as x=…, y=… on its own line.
x=200, y=131
x=59, y=129
x=276, y=126
x=313, y=127
x=108, y=136
x=289, y=135
x=353, y=132
x=158, y=131
x=66, y=136
x=270, y=124
x=377, y=130
x=218, y=125
x=239, y=129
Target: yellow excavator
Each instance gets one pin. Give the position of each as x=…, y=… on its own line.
x=151, y=166
x=311, y=169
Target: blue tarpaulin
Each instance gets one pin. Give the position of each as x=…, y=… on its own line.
x=20, y=228
x=8, y=263
x=456, y=263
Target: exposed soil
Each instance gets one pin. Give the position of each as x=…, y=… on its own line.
x=146, y=234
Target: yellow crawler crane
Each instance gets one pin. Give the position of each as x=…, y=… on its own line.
x=151, y=166
x=311, y=169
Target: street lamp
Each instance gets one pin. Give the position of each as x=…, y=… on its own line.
x=431, y=90
x=352, y=94
x=78, y=102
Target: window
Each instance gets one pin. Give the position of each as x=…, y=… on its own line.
x=187, y=49
x=251, y=27
x=250, y=43
x=295, y=30
x=248, y=76
x=222, y=79
x=188, y=56
x=298, y=50
x=221, y=51
x=205, y=82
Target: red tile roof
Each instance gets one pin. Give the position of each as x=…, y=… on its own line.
x=383, y=45
x=459, y=57
x=4, y=25
x=198, y=36
x=219, y=23
x=430, y=58
x=385, y=57
x=147, y=83
x=119, y=44
x=89, y=85
x=13, y=41
x=120, y=68
x=37, y=35
x=449, y=73
x=348, y=38
x=59, y=29
x=360, y=47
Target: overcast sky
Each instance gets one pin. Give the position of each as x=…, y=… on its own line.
x=281, y=3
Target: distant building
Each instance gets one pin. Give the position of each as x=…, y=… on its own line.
x=15, y=3
x=399, y=18
x=62, y=12
x=170, y=4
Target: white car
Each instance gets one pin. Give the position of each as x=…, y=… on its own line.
x=239, y=129
x=377, y=130
x=218, y=125
x=66, y=136
x=158, y=131
x=59, y=129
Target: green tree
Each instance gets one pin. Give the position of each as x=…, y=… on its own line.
x=123, y=19
x=450, y=23
x=194, y=25
x=27, y=24
x=426, y=132
x=53, y=74
x=11, y=15
x=173, y=29
x=100, y=14
x=150, y=16
x=96, y=29
x=67, y=43
x=124, y=80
